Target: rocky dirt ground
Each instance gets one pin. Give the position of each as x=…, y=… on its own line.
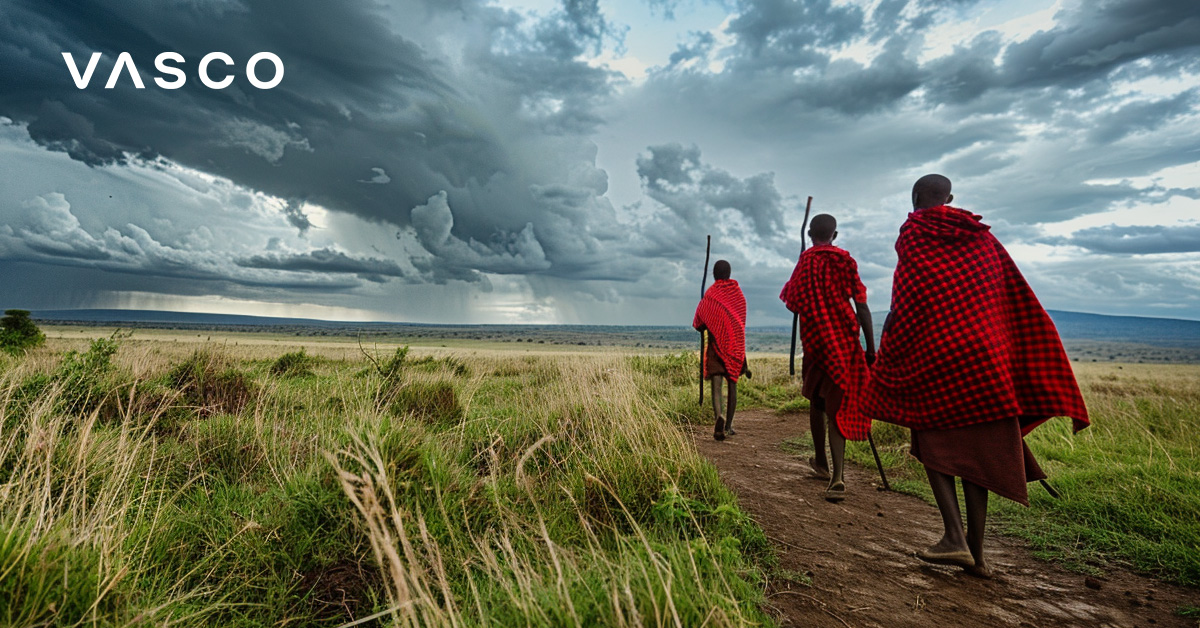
x=859, y=554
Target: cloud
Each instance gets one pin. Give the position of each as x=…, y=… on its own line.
x=322, y=261
x=380, y=177
x=50, y=233
x=1094, y=39
x=675, y=176
x=472, y=100
x=506, y=253
x=1139, y=239
x=459, y=154
x=296, y=217
x=260, y=139
x=791, y=33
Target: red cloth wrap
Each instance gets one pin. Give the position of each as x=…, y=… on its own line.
x=968, y=342
x=722, y=311
x=823, y=283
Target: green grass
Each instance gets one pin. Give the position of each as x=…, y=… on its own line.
x=147, y=482
x=1130, y=484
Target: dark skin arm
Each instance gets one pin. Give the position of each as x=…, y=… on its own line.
x=864, y=321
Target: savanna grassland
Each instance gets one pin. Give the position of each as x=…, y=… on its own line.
x=158, y=483
x=234, y=480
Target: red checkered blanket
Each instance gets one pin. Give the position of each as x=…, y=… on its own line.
x=968, y=342
x=722, y=311
x=823, y=283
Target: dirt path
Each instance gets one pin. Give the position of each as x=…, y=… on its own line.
x=859, y=554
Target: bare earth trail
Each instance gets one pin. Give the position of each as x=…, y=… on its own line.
x=860, y=553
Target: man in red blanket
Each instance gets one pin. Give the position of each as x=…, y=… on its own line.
x=834, y=371
x=722, y=313
x=971, y=363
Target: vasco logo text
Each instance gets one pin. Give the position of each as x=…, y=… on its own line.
x=125, y=63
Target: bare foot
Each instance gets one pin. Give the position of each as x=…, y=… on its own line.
x=719, y=430
x=980, y=570
x=947, y=552
x=819, y=471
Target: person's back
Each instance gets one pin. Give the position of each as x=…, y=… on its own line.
x=971, y=363
x=823, y=285
x=721, y=314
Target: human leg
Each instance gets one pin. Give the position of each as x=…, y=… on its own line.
x=718, y=407
x=976, y=497
x=730, y=407
x=816, y=425
x=952, y=548
x=837, y=452
x=837, y=449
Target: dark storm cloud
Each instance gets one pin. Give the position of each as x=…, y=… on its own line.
x=48, y=232
x=966, y=112
x=366, y=89
x=326, y=261
x=786, y=32
x=1097, y=37
x=1141, y=116
x=296, y=217
x=675, y=176
x=1094, y=41
x=470, y=132
x=1139, y=240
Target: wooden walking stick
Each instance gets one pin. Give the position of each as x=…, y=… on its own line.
x=795, y=316
x=878, y=464
x=703, y=286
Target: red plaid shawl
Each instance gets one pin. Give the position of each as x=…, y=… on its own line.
x=723, y=312
x=822, y=285
x=968, y=341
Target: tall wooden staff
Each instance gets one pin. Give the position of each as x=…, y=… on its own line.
x=795, y=316
x=703, y=286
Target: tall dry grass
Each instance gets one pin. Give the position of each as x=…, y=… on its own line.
x=458, y=490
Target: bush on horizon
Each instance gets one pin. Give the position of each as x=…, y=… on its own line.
x=18, y=332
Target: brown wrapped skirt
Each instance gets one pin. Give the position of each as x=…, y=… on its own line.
x=992, y=455
x=713, y=364
x=820, y=389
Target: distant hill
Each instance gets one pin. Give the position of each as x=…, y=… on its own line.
x=1171, y=332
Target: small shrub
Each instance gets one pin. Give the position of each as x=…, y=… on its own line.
x=393, y=366
x=294, y=364
x=18, y=332
x=210, y=383
x=84, y=377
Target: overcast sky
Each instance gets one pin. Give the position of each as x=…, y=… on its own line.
x=539, y=161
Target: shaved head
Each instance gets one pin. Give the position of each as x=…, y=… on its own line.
x=721, y=269
x=822, y=228
x=931, y=190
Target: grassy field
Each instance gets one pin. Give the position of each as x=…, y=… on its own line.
x=234, y=480
x=158, y=482
x=1129, y=484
